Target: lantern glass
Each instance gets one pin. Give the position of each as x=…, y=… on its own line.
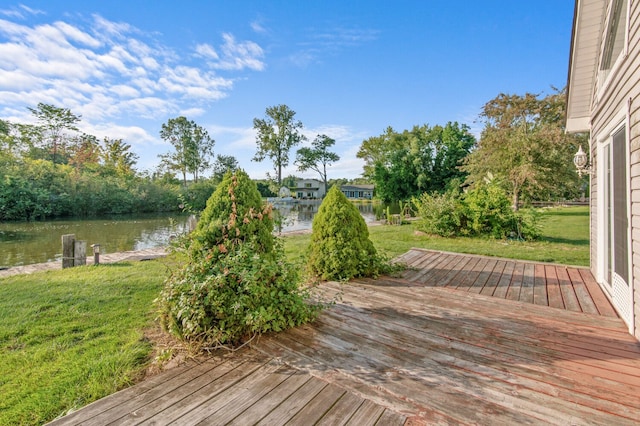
x=580, y=159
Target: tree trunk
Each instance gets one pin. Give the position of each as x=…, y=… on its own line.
x=516, y=200
x=279, y=175
x=324, y=176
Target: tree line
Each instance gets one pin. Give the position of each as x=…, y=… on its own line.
x=523, y=149
x=51, y=169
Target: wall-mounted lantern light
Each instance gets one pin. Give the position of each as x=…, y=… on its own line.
x=581, y=162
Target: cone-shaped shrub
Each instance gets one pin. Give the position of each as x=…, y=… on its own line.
x=340, y=247
x=235, y=212
x=236, y=283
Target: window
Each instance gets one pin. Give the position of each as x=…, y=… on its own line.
x=614, y=39
x=307, y=185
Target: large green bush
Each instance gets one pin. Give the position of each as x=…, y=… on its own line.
x=236, y=283
x=484, y=210
x=340, y=248
x=440, y=214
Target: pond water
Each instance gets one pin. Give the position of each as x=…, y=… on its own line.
x=23, y=243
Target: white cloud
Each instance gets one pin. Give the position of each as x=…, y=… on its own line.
x=110, y=29
x=338, y=132
x=21, y=12
x=206, y=51
x=239, y=137
x=112, y=75
x=258, y=27
x=16, y=81
x=239, y=55
x=133, y=135
x=330, y=41
x=111, y=69
x=192, y=112
x=75, y=34
x=345, y=37
x=124, y=91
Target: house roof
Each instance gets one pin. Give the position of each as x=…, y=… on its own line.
x=588, y=21
x=364, y=187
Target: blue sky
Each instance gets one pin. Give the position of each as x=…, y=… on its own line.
x=349, y=69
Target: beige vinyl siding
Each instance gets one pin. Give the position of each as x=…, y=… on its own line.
x=634, y=132
x=623, y=88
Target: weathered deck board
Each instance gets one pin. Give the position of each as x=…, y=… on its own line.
x=540, y=286
x=440, y=345
x=528, y=281
x=417, y=356
x=587, y=304
x=558, y=286
x=494, y=278
x=513, y=292
x=598, y=297
x=483, y=277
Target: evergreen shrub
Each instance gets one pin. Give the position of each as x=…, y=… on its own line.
x=236, y=283
x=340, y=247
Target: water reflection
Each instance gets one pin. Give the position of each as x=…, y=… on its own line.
x=298, y=216
x=23, y=243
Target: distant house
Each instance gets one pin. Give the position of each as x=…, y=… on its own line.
x=603, y=99
x=358, y=192
x=284, y=192
x=309, y=189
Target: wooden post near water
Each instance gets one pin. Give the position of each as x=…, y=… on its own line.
x=74, y=253
x=68, y=242
x=80, y=253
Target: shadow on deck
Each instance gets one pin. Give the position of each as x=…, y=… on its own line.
x=415, y=351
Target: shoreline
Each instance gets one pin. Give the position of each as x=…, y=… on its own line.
x=132, y=255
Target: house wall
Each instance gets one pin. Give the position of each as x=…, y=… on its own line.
x=315, y=188
x=623, y=92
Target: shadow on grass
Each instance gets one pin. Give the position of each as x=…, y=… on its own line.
x=569, y=212
x=567, y=241
x=124, y=263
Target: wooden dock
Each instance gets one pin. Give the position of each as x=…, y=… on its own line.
x=447, y=343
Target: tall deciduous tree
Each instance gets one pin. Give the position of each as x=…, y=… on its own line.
x=54, y=122
x=278, y=132
x=317, y=157
x=6, y=140
x=524, y=146
x=222, y=165
x=423, y=159
x=193, y=147
x=85, y=152
x=377, y=150
x=117, y=156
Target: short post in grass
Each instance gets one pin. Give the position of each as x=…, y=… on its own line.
x=68, y=242
x=96, y=253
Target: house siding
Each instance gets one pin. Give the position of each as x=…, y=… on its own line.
x=623, y=92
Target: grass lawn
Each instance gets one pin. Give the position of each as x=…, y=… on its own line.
x=70, y=337
x=565, y=240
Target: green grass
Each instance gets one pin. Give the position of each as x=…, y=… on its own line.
x=73, y=336
x=565, y=240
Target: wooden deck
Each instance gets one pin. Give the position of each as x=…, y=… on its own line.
x=412, y=350
x=558, y=286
